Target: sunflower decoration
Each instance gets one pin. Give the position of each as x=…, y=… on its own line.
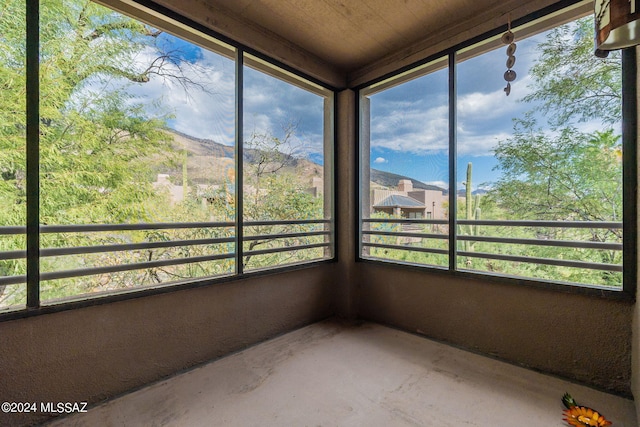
x=581, y=416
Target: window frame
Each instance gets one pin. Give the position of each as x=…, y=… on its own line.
x=538, y=21
x=178, y=25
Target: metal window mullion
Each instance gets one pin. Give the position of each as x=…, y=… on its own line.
x=239, y=153
x=328, y=192
x=629, y=170
x=452, y=161
x=363, y=170
x=32, y=151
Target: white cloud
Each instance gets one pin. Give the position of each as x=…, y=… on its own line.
x=208, y=113
x=484, y=119
x=269, y=104
x=472, y=144
x=380, y=160
x=492, y=105
x=412, y=130
x=441, y=184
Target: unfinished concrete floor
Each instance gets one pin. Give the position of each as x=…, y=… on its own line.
x=328, y=374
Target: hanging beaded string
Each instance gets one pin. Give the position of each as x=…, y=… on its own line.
x=509, y=75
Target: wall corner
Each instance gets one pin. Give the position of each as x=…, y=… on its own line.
x=346, y=280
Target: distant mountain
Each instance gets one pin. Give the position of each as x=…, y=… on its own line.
x=479, y=191
x=208, y=147
x=201, y=147
x=390, y=180
x=210, y=162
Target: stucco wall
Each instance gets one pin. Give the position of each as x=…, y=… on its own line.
x=346, y=270
x=574, y=336
x=635, y=380
x=94, y=353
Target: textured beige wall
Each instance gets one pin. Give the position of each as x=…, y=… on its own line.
x=97, y=352
x=635, y=379
x=346, y=269
x=574, y=336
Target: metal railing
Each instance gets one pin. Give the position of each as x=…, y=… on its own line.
x=280, y=236
x=124, y=247
x=367, y=232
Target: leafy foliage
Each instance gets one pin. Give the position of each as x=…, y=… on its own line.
x=569, y=176
x=552, y=170
x=101, y=148
x=554, y=167
x=570, y=83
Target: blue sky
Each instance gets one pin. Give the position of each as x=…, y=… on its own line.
x=409, y=122
x=270, y=104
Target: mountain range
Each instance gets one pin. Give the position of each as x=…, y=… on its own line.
x=209, y=161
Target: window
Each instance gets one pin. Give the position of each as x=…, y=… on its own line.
x=534, y=178
x=406, y=131
x=13, y=190
x=286, y=210
x=149, y=173
x=137, y=136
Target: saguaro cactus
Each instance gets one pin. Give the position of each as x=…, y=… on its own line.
x=468, y=200
x=473, y=209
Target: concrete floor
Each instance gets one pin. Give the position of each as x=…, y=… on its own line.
x=332, y=375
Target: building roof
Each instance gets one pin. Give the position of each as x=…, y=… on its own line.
x=398, y=201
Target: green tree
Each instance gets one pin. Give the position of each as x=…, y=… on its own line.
x=571, y=175
x=552, y=170
x=98, y=144
x=570, y=83
x=275, y=191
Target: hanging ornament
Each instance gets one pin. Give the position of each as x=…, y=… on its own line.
x=509, y=75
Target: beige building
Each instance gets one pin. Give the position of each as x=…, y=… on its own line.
x=407, y=202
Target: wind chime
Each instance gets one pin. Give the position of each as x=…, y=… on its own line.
x=509, y=75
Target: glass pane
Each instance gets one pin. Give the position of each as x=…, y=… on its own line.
x=285, y=168
x=12, y=154
x=137, y=128
x=406, y=170
x=550, y=151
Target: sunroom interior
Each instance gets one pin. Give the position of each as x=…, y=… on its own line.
x=545, y=336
